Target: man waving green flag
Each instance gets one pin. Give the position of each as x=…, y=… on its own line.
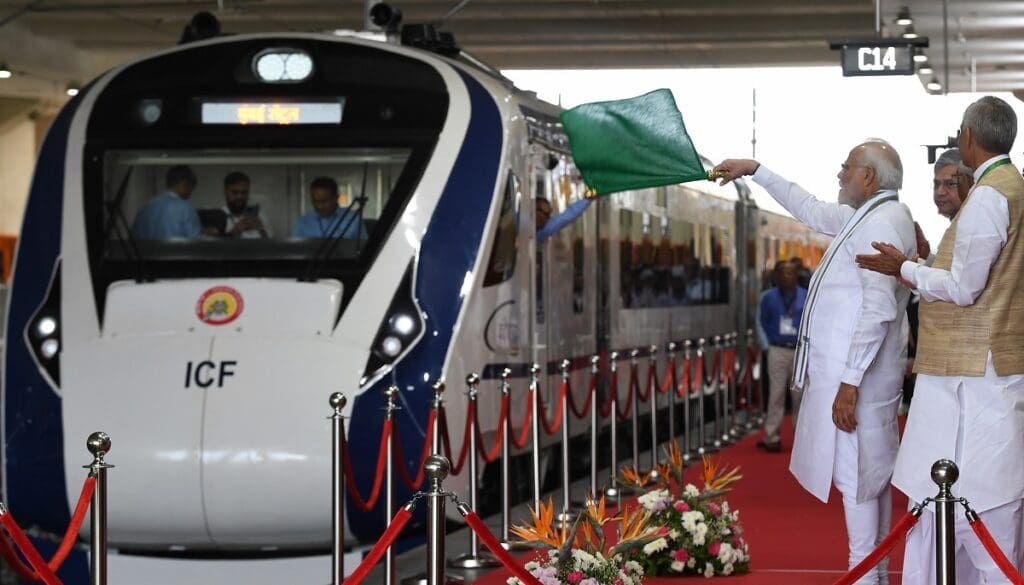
x=632, y=144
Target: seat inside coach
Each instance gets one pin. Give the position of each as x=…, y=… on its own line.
x=279, y=194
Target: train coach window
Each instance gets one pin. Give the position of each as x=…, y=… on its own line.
x=502, y=264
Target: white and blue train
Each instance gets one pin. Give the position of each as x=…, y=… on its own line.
x=209, y=360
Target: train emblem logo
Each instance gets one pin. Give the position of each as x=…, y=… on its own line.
x=219, y=305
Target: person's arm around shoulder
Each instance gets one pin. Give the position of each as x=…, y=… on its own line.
x=827, y=218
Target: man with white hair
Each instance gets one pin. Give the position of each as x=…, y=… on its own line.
x=851, y=345
x=969, y=404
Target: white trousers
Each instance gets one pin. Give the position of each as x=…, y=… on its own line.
x=868, y=522
x=973, y=563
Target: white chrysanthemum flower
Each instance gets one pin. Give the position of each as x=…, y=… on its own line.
x=677, y=566
x=655, y=546
x=727, y=569
x=512, y=581
x=709, y=570
x=531, y=565
x=725, y=508
x=700, y=534
x=691, y=519
x=726, y=553
x=634, y=568
x=673, y=534
x=691, y=563
x=655, y=500
x=691, y=491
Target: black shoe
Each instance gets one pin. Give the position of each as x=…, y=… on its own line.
x=770, y=446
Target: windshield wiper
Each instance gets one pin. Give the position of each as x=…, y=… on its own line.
x=116, y=222
x=338, y=228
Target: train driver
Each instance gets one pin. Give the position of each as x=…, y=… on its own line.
x=328, y=219
x=170, y=214
x=243, y=220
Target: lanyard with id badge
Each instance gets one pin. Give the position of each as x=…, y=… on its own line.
x=786, y=321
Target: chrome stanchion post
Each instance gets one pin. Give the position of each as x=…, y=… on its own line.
x=337, y=402
x=673, y=381
x=612, y=491
x=566, y=516
x=735, y=429
x=474, y=559
x=535, y=432
x=506, y=477
x=944, y=474
x=687, y=423
x=715, y=389
x=635, y=420
x=436, y=469
x=389, y=480
x=723, y=390
x=595, y=370
x=98, y=444
x=653, y=364
x=749, y=390
x=755, y=376
x=438, y=402
x=702, y=444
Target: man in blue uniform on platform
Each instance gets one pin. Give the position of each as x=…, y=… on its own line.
x=169, y=214
x=328, y=219
x=781, y=307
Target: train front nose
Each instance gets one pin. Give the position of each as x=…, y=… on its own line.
x=217, y=411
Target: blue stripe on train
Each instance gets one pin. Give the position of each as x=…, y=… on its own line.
x=447, y=254
x=33, y=425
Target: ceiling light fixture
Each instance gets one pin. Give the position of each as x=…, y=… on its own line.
x=72, y=89
x=5, y=71
x=903, y=17
x=926, y=70
x=909, y=33
x=934, y=85
x=920, y=58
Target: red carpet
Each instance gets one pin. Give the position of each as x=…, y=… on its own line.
x=794, y=538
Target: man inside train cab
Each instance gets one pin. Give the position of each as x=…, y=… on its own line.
x=953, y=180
x=851, y=344
x=969, y=396
x=243, y=220
x=328, y=219
x=170, y=214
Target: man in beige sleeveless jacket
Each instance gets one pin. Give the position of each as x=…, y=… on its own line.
x=969, y=399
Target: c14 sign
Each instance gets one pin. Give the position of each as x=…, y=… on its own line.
x=878, y=56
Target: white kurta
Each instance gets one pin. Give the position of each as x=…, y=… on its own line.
x=977, y=421
x=857, y=334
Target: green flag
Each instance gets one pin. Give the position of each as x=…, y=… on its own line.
x=632, y=144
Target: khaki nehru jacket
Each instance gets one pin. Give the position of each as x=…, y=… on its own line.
x=954, y=340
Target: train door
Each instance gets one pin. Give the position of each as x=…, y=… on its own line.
x=539, y=185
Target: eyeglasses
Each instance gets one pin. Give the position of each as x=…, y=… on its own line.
x=847, y=167
x=947, y=183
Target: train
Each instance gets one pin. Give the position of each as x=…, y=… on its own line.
x=209, y=359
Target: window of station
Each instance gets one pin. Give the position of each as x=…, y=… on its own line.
x=244, y=205
x=667, y=262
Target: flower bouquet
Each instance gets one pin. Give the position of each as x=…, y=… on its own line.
x=704, y=536
x=579, y=554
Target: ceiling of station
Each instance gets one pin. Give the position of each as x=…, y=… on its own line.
x=51, y=43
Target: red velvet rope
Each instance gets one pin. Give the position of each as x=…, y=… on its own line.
x=398, y=522
x=500, y=553
x=582, y=412
x=995, y=552
x=728, y=372
x=399, y=462
x=491, y=455
x=651, y=374
x=684, y=382
x=552, y=427
x=670, y=371
x=446, y=441
x=698, y=375
x=881, y=551
x=633, y=383
x=367, y=504
x=71, y=535
x=715, y=364
x=40, y=570
x=13, y=561
x=613, y=389
x=524, y=433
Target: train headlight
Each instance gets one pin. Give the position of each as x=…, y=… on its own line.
x=402, y=324
x=46, y=326
x=282, y=65
x=49, y=348
x=391, y=346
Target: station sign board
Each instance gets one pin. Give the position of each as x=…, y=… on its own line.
x=880, y=56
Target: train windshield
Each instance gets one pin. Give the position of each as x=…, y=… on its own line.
x=245, y=207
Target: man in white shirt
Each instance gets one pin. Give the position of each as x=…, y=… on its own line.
x=243, y=221
x=969, y=404
x=852, y=341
